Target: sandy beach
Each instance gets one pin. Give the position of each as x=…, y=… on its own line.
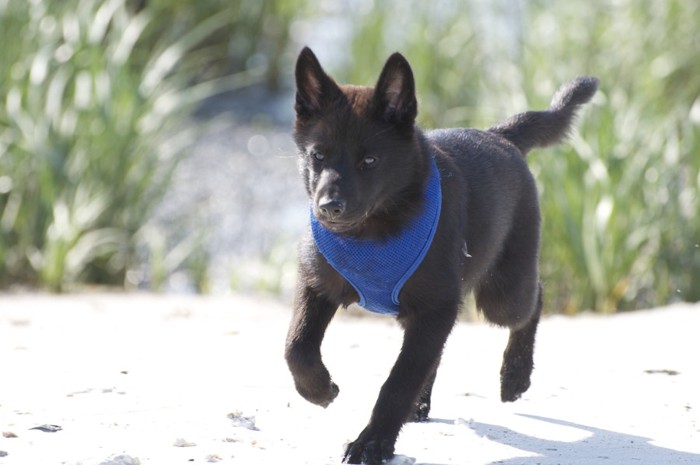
x=102, y=379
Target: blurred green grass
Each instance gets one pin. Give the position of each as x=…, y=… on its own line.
x=94, y=97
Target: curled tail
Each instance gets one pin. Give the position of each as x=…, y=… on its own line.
x=542, y=128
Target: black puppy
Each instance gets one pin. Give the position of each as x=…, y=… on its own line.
x=406, y=222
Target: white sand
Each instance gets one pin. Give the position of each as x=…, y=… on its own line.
x=177, y=380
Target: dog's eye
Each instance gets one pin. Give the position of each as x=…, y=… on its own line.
x=318, y=156
x=368, y=162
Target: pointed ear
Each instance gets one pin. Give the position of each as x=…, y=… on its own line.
x=395, y=92
x=314, y=87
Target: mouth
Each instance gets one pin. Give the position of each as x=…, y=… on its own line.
x=338, y=226
x=350, y=223
x=342, y=225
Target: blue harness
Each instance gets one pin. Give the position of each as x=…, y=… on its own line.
x=378, y=269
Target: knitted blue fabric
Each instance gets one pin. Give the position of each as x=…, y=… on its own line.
x=378, y=269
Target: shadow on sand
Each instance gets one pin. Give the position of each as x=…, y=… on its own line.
x=603, y=447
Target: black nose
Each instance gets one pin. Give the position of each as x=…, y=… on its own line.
x=331, y=208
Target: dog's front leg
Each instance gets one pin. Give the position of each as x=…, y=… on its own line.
x=424, y=339
x=312, y=314
x=422, y=408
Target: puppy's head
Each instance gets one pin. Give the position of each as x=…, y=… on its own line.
x=359, y=149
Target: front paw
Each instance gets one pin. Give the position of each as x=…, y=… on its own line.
x=311, y=378
x=370, y=448
x=318, y=391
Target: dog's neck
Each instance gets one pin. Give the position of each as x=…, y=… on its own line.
x=378, y=268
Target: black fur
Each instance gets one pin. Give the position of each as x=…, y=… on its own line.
x=364, y=164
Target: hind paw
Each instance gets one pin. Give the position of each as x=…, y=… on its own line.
x=515, y=380
x=513, y=388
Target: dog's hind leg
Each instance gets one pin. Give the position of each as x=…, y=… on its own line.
x=518, y=356
x=524, y=317
x=510, y=295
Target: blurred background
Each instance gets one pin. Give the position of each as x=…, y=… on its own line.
x=145, y=144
